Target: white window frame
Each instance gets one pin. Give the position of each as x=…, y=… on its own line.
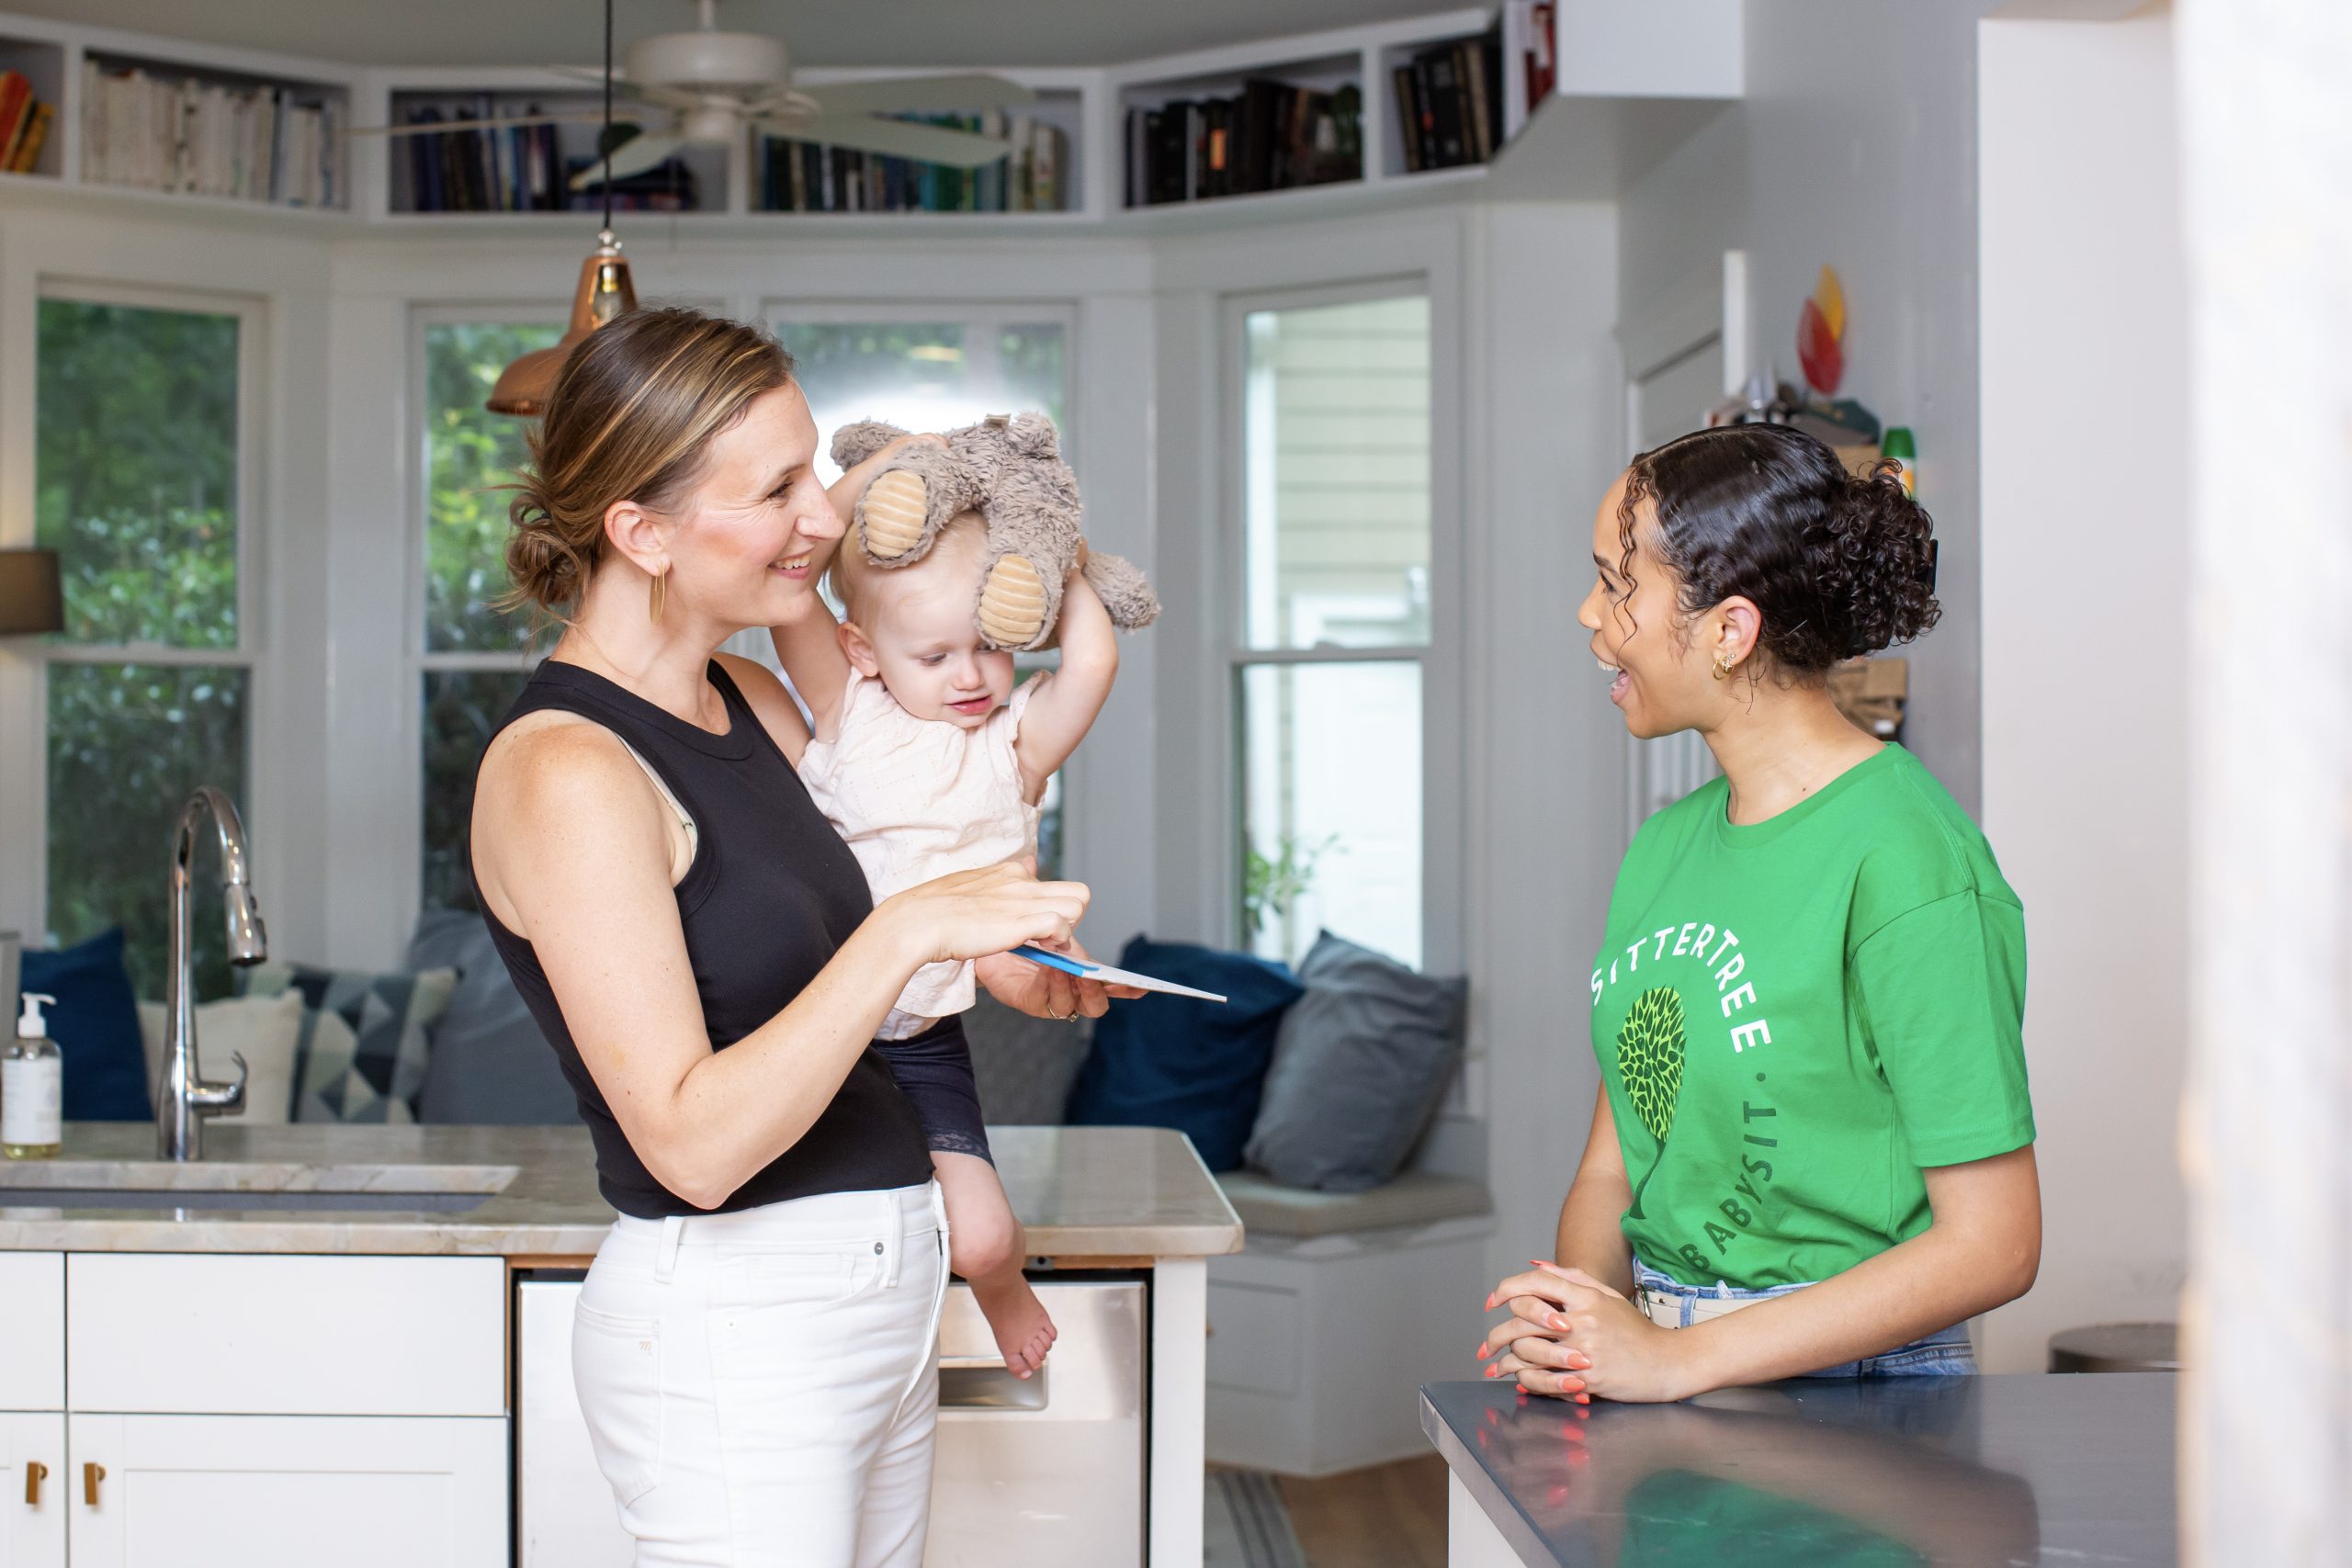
x=420, y=661
x=1440, y=659
x=259, y=801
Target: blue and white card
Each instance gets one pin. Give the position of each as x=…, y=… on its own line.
x=1085, y=970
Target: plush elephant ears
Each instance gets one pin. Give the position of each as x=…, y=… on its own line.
x=1029, y=435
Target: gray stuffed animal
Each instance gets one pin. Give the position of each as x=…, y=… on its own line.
x=1009, y=469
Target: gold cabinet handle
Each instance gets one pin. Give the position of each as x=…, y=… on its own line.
x=91, y=1475
x=35, y=1473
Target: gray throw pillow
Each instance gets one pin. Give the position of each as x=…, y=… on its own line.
x=1359, y=1069
x=491, y=1066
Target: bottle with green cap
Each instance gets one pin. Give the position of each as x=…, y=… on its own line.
x=32, y=1087
x=1896, y=443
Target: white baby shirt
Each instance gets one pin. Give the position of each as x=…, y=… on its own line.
x=917, y=798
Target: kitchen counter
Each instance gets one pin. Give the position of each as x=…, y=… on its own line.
x=1093, y=1193
x=2000, y=1468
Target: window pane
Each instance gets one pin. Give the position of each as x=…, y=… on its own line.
x=135, y=470
x=469, y=451
x=1032, y=362
x=1331, y=806
x=1336, y=475
x=461, y=707
x=128, y=744
x=919, y=377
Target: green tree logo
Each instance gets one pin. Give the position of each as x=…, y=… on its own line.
x=1649, y=1059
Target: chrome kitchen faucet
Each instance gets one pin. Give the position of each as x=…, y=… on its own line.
x=183, y=1099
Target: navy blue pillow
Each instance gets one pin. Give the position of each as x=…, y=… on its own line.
x=1175, y=1062
x=95, y=1025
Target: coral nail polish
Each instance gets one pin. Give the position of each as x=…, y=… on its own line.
x=1484, y=1349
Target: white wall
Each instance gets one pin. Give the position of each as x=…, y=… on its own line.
x=1544, y=400
x=1855, y=146
x=2086, y=541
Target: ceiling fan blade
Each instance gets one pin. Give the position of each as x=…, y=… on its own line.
x=894, y=137
x=921, y=95
x=634, y=156
x=431, y=127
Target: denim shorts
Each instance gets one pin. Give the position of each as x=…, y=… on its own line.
x=1944, y=1353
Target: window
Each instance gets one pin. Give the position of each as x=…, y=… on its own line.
x=143, y=445
x=1335, y=547
x=937, y=375
x=475, y=658
x=926, y=375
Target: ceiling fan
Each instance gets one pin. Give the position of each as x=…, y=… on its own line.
x=708, y=87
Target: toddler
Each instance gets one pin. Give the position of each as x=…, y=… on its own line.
x=928, y=761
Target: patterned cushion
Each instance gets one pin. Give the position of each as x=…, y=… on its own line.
x=366, y=1038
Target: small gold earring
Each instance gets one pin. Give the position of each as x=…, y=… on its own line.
x=659, y=598
x=1723, y=668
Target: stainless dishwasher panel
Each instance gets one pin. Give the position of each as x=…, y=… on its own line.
x=1035, y=1474
x=1049, y=1470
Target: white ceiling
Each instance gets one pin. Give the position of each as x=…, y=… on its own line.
x=892, y=32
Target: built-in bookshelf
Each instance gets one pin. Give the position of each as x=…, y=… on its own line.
x=1310, y=125
x=1042, y=175
x=530, y=168
x=33, y=96
x=1283, y=126
x=158, y=124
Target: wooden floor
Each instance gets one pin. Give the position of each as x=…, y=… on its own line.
x=1392, y=1516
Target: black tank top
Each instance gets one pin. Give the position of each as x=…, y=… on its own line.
x=772, y=895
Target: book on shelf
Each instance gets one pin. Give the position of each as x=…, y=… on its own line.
x=1450, y=103
x=514, y=168
x=1530, y=58
x=1270, y=136
x=810, y=177
x=25, y=156
x=24, y=121
x=282, y=145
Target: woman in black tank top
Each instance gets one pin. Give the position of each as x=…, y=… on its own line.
x=702, y=952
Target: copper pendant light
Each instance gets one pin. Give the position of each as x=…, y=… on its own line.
x=606, y=289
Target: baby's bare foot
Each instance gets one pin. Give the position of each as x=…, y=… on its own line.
x=1023, y=1331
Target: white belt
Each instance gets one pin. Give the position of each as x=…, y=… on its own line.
x=1665, y=1309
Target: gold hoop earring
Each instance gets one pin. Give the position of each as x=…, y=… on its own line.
x=1723, y=668
x=659, y=599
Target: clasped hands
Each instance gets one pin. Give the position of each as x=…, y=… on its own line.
x=1570, y=1336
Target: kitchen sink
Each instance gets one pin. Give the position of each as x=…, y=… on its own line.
x=225, y=1186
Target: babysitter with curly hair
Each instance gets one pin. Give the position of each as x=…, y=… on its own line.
x=1812, y=1153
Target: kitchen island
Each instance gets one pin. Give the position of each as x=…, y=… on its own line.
x=1947, y=1471
x=330, y=1328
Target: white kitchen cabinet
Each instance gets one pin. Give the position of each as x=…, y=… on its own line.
x=32, y=1490
x=203, y=1334
x=32, y=1351
x=286, y=1491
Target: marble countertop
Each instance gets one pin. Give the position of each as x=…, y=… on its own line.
x=2019, y=1468
x=1080, y=1191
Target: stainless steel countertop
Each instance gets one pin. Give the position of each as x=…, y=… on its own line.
x=2020, y=1468
x=1093, y=1192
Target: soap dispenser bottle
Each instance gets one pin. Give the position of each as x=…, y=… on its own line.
x=32, y=1087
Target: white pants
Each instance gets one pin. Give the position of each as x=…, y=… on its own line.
x=762, y=1387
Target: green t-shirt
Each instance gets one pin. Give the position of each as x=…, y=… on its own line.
x=1794, y=1017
